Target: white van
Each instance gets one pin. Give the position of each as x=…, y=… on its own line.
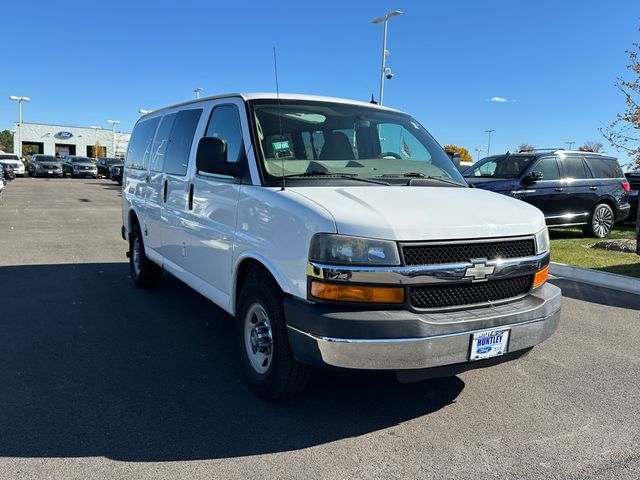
x=339, y=234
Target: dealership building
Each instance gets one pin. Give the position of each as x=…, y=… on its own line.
x=61, y=140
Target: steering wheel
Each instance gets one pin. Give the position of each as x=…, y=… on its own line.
x=390, y=154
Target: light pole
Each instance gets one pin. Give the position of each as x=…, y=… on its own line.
x=197, y=92
x=385, y=52
x=19, y=100
x=144, y=111
x=489, y=131
x=113, y=134
x=478, y=150
x=570, y=144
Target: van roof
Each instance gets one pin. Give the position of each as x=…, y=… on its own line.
x=274, y=96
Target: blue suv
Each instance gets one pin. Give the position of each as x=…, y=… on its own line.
x=570, y=187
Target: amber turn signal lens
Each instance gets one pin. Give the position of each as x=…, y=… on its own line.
x=541, y=277
x=356, y=293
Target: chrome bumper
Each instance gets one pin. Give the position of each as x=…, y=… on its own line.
x=449, y=345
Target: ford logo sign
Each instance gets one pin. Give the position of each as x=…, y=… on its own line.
x=63, y=135
x=485, y=349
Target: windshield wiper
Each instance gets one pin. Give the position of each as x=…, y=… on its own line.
x=320, y=173
x=423, y=176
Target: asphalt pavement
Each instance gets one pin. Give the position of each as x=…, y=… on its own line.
x=101, y=380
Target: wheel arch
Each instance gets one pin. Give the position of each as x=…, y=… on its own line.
x=245, y=265
x=608, y=200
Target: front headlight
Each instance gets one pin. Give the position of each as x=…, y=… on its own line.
x=542, y=241
x=345, y=250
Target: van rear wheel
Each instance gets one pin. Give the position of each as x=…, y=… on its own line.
x=144, y=272
x=266, y=358
x=601, y=222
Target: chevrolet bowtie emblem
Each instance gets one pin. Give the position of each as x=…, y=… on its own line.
x=480, y=270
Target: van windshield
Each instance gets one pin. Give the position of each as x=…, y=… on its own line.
x=504, y=166
x=334, y=141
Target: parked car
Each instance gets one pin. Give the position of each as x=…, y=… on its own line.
x=104, y=165
x=76, y=166
x=116, y=172
x=15, y=162
x=44, y=166
x=7, y=170
x=338, y=233
x=633, y=177
x=571, y=188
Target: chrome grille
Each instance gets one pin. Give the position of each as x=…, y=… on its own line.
x=445, y=296
x=464, y=252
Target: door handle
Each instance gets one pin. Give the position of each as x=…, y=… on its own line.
x=165, y=188
x=559, y=189
x=593, y=187
x=191, y=197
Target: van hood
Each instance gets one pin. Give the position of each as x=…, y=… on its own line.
x=414, y=213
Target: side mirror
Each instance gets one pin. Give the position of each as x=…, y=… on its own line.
x=455, y=158
x=211, y=157
x=533, y=177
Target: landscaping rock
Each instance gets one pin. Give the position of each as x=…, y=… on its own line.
x=619, y=245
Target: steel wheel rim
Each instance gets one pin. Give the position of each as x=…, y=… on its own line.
x=602, y=221
x=136, y=256
x=258, y=338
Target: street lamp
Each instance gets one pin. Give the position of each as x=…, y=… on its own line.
x=144, y=111
x=489, y=131
x=384, y=71
x=570, y=144
x=197, y=92
x=478, y=150
x=113, y=134
x=19, y=100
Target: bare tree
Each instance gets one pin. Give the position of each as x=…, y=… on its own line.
x=624, y=131
x=590, y=146
x=525, y=147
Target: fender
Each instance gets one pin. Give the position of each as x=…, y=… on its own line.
x=280, y=279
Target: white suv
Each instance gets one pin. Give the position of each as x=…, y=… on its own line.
x=14, y=161
x=339, y=234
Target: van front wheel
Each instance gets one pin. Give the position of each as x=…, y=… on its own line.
x=266, y=358
x=144, y=272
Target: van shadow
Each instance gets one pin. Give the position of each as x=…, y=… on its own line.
x=92, y=366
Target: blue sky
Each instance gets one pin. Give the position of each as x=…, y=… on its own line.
x=555, y=61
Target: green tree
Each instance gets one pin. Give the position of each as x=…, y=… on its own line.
x=624, y=131
x=465, y=156
x=6, y=141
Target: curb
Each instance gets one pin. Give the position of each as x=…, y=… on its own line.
x=594, y=277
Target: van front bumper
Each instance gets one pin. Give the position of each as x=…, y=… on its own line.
x=320, y=335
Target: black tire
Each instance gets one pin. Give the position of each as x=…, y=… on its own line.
x=601, y=222
x=144, y=272
x=284, y=375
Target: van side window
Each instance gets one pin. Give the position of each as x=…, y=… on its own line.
x=161, y=141
x=225, y=123
x=574, y=167
x=177, y=153
x=605, y=167
x=549, y=168
x=139, y=150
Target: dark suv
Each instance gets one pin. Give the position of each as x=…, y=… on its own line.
x=571, y=188
x=44, y=166
x=79, y=167
x=104, y=165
